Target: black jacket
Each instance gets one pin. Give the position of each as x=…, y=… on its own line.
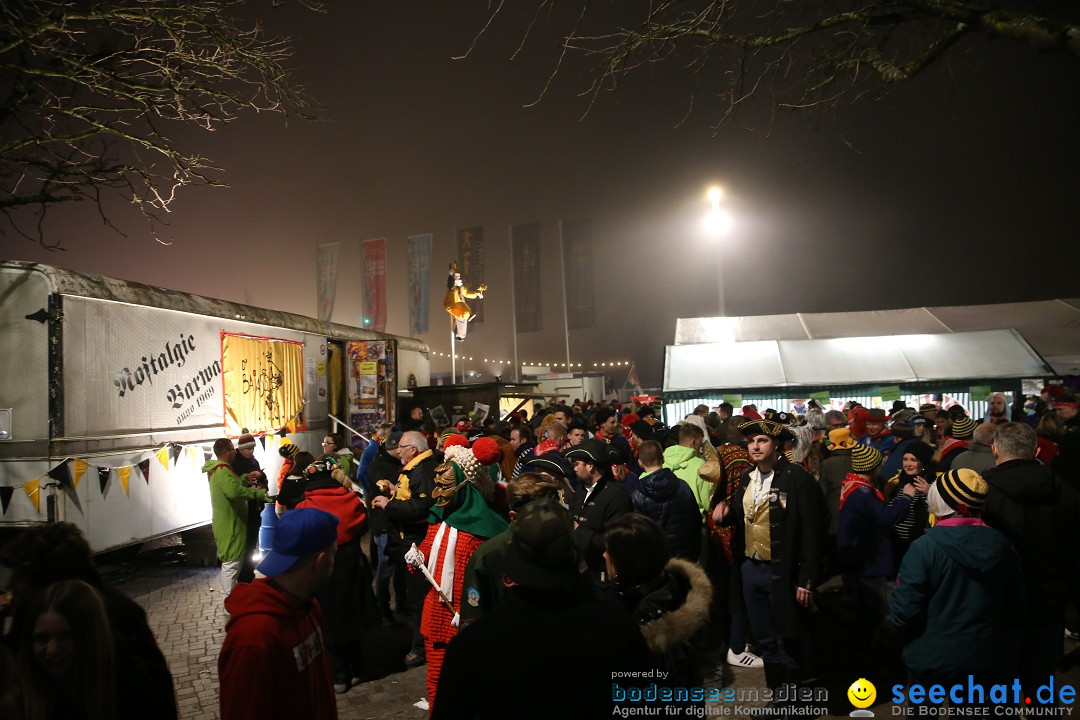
x=667, y=499
x=798, y=519
x=410, y=517
x=673, y=612
x=1040, y=514
x=555, y=656
x=608, y=501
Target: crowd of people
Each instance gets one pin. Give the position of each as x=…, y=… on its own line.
x=711, y=538
x=536, y=559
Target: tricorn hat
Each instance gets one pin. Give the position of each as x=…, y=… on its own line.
x=771, y=428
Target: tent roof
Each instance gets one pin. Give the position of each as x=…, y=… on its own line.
x=942, y=358
x=1050, y=327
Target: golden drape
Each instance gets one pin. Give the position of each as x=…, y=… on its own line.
x=264, y=382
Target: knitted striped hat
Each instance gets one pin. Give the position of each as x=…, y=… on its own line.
x=963, y=428
x=864, y=459
x=962, y=489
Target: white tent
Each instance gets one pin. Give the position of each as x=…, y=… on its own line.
x=944, y=345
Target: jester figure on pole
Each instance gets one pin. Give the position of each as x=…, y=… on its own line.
x=461, y=521
x=456, y=294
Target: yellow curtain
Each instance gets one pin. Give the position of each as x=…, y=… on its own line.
x=264, y=382
x=334, y=364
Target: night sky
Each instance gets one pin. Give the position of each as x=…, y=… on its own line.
x=957, y=188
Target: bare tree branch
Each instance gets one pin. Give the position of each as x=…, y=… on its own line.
x=91, y=92
x=808, y=54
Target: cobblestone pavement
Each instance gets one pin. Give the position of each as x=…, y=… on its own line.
x=185, y=612
x=184, y=608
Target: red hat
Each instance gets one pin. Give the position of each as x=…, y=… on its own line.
x=455, y=439
x=486, y=450
x=749, y=411
x=1053, y=390
x=463, y=425
x=629, y=419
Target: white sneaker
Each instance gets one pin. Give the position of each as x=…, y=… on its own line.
x=745, y=659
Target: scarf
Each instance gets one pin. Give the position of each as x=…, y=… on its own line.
x=446, y=582
x=853, y=482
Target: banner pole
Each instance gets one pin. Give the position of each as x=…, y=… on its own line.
x=513, y=313
x=562, y=269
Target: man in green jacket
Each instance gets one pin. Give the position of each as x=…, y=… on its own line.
x=228, y=501
x=685, y=460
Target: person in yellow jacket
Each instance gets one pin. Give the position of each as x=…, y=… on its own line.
x=456, y=294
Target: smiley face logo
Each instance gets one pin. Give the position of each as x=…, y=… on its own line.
x=862, y=693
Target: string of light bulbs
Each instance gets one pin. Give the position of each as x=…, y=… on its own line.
x=615, y=363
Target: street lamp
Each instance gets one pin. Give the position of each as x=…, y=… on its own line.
x=718, y=220
x=717, y=224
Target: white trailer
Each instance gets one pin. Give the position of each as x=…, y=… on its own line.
x=112, y=394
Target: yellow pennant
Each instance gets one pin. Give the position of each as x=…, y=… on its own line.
x=124, y=473
x=33, y=491
x=163, y=457
x=78, y=469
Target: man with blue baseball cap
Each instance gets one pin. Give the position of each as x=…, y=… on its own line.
x=273, y=663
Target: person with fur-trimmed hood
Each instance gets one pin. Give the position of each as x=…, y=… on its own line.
x=461, y=521
x=668, y=597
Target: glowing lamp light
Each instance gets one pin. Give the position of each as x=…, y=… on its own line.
x=717, y=222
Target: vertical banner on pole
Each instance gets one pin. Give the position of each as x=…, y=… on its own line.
x=419, y=284
x=577, y=256
x=470, y=252
x=525, y=246
x=375, y=284
x=327, y=279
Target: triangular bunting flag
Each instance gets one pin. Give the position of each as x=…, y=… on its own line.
x=145, y=467
x=283, y=432
x=60, y=473
x=174, y=451
x=69, y=491
x=124, y=473
x=163, y=457
x=78, y=469
x=262, y=440
x=291, y=425
x=103, y=478
x=5, y=497
x=33, y=491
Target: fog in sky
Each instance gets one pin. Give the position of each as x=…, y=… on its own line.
x=957, y=188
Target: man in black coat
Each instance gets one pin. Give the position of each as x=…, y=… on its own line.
x=1040, y=514
x=598, y=501
x=247, y=468
x=779, y=516
x=661, y=495
x=408, y=509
